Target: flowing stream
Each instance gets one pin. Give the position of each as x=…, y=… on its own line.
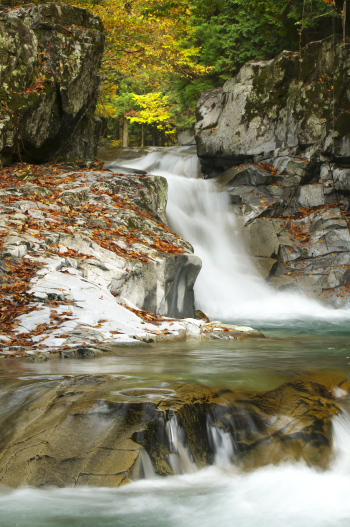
x=228, y=287
x=288, y=495
x=302, y=336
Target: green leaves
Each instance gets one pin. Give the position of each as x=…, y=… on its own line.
x=233, y=32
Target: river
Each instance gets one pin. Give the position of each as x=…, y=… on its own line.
x=301, y=337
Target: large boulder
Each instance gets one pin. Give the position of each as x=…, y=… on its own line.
x=278, y=138
x=116, y=226
x=295, y=105
x=50, y=56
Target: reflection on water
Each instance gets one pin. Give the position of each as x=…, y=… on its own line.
x=259, y=364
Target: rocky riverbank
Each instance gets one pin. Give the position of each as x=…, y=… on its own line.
x=88, y=262
x=277, y=137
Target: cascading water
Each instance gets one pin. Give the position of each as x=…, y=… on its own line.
x=228, y=286
x=292, y=495
x=180, y=457
x=222, y=445
x=146, y=470
x=289, y=494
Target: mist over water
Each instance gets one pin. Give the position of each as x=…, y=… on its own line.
x=228, y=287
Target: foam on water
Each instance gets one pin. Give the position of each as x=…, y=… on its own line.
x=288, y=495
x=228, y=286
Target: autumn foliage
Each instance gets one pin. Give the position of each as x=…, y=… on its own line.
x=43, y=186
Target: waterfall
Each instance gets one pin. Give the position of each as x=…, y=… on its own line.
x=292, y=495
x=222, y=444
x=146, y=467
x=180, y=458
x=341, y=442
x=229, y=286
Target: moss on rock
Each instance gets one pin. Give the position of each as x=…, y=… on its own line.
x=49, y=60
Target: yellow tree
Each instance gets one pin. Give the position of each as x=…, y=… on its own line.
x=143, y=50
x=155, y=110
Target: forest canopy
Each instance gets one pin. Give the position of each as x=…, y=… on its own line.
x=162, y=54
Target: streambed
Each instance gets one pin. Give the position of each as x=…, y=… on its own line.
x=304, y=341
x=290, y=493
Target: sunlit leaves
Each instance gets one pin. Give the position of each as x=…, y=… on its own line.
x=154, y=109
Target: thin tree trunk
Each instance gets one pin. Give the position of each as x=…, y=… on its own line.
x=142, y=134
x=344, y=21
x=117, y=130
x=125, y=139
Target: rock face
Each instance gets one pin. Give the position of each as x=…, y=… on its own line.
x=103, y=431
x=90, y=240
x=50, y=56
x=278, y=137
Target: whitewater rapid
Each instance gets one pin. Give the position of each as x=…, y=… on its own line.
x=229, y=287
x=288, y=495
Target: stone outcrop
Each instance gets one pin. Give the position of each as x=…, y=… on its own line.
x=73, y=430
x=278, y=137
x=49, y=60
x=88, y=263
x=90, y=240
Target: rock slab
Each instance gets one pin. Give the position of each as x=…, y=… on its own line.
x=74, y=430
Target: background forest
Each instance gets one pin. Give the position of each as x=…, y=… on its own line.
x=162, y=54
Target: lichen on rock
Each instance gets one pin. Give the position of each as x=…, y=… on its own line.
x=49, y=60
x=277, y=136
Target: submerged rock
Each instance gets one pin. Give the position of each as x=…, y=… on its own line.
x=103, y=431
x=50, y=56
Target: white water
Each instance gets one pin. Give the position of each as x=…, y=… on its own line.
x=290, y=495
x=228, y=286
x=180, y=458
x=146, y=467
x=222, y=444
x=273, y=496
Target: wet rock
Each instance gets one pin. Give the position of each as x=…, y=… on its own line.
x=310, y=253
x=93, y=430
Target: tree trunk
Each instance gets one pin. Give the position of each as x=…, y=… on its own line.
x=142, y=134
x=125, y=139
x=344, y=21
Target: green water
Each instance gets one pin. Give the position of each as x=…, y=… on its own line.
x=258, y=364
x=288, y=495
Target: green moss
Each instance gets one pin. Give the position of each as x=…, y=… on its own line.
x=342, y=124
x=22, y=101
x=133, y=223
